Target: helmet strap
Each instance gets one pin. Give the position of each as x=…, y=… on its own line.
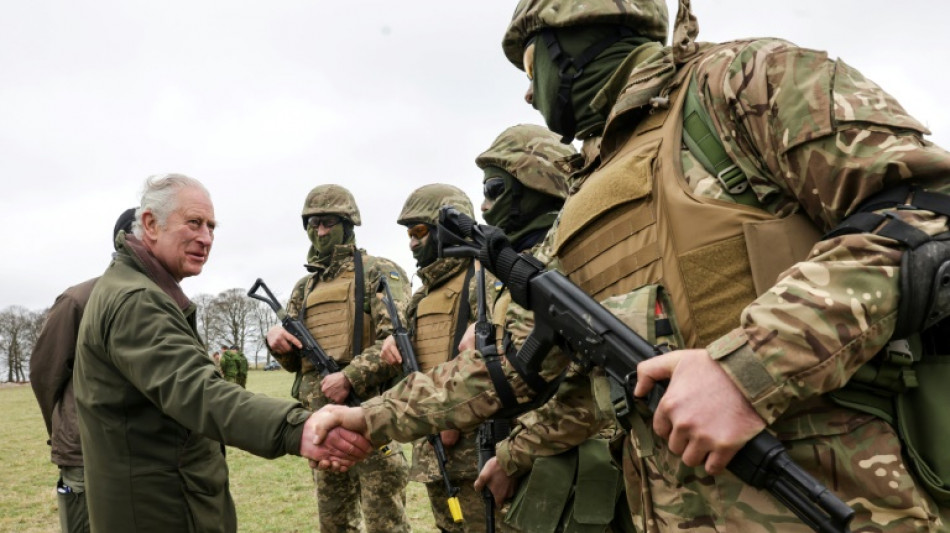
x=570, y=69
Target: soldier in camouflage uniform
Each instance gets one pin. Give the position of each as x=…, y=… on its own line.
x=525, y=184
x=438, y=315
x=351, y=330
x=770, y=342
x=229, y=365
x=242, y=365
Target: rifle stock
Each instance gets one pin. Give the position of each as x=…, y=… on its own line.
x=312, y=350
x=411, y=364
x=564, y=313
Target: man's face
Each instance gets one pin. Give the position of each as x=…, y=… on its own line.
x=183, y=245
x=418, y=236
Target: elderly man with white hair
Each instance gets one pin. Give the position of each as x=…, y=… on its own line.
x=154, y=415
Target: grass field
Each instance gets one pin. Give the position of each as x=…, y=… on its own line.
x=271, y=496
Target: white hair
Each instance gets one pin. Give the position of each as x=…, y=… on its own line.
x=160, y=197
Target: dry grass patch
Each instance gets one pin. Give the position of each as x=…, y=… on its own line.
x=273, y=496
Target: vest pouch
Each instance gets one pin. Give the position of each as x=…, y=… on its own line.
x=539, y=503
x=597, y=489
x=574, y=492
x=923, y=422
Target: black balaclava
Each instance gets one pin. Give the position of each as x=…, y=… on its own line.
x=520, y=211
x=564, y=100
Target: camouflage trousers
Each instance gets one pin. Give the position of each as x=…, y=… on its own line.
x=862, y=465
x=373, y=491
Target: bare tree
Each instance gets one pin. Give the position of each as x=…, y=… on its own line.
x=236, y=318
x=207, y=321
x=19, y=328
x=264, y=318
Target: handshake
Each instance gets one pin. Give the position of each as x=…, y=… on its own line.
x=334, y=438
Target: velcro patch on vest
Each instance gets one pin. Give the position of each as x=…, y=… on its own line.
x=623, y=180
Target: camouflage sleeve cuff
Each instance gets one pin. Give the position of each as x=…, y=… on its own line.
x=295, y=420
x=736, y=357
x=354, y=375
x=510, y=462
x=380, y=421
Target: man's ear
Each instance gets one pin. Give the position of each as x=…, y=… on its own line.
x=150, y=225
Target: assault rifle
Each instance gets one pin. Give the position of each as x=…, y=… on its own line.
x=324, y=364
x=494, y=430
x=566, y=316
x=411, y=364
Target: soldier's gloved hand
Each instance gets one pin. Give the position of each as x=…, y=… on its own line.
x=338, y=450
x=280, y=341
x=389, y=352
x=449, y=436
x=501, y=485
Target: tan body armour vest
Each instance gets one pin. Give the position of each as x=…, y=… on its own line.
x=635, y=222
x=436, y=317
x=330, y=312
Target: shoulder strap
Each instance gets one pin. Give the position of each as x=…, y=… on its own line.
x=699, y=135
x=465, y=311
x=360, y=290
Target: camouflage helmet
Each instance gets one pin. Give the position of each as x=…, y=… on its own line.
x=648, y=18
x=424, y=203
x=533, y=155
x=331, y=200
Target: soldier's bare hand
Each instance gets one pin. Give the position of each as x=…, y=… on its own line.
x=501, y=485
x=336, y=387
x=338, y=451
x=468, y=339
x=319, y=429
x=281, y=341
x=450, y=436
x=703, y=416
x=389, y=352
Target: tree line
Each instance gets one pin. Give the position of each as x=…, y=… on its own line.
x=229, y=318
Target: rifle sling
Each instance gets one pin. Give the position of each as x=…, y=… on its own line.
x=465, y=312
x=360, y=291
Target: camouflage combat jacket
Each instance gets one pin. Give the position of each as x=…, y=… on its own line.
x=368, y=373
x=463, y=455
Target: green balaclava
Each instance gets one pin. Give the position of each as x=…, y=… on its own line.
x=321, y=248
x=568, y=112
x=520, y=210
x=428, y=250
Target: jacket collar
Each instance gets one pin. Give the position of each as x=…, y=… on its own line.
x=441, y=270
x=143, y=259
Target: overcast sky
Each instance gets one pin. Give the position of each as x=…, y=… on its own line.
x=262, y=101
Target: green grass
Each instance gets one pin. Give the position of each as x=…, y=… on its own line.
x=275, y=496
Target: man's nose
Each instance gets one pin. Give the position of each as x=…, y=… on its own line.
x=529, y=95
x=205, y=235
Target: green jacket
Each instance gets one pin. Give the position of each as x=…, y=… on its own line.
x=231, y=366
x=154, y=415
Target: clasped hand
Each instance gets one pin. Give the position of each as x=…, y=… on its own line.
x=334, y=438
